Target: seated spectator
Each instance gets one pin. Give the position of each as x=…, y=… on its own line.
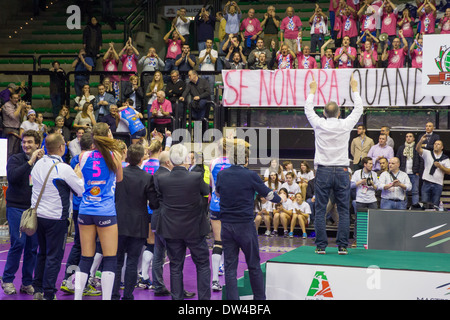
x=132, y=90
x=83, y=64
x=273, y=182
x=396, y=56
x=103, y=101
x=264, y=62
x=416, y=52
x=24, y=112
x=112, y=87
x=85, y=96
x=42, y=127
x=129, y=56
x=304, y=58
x=174, y=90
x=68, y=119
x=74, y=144
x=174, y=46
x=319, y=28
x=156, y=85
x=288, y=166
x=232, y=14
x=427, y=17
x=130, y=121
x=290, y=27
x=263, y=211
x=326, y=56
x=30, y=123
x=160, y=112
x=290, y=185
x=253, y=57
x=206, y=24
x=85, y=118
x=250, y=30
x=285, y=58
x=150, y=62
x=444, y=23
x=61, y=129
x=301, y=215
x=238, y=61
x=274, y=166
x=304, y=175
x=345, y=55
x=112, y=118
x=185, y=61
x=271, y=25
x=311, y=199
x=282, y=212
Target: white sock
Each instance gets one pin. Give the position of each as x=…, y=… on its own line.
x=147, y=258
x=97, y=260
x=124, y=267
x=215, y=264
x=80, y=283
x=107, y=284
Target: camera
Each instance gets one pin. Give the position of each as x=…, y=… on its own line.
x=369, y=181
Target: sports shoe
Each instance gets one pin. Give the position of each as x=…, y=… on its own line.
x=221, y=270
x=342, y=251
x=29, y=289
x=291, y=234
x=305, y=235
x=267, y=233
x=285, y=234
x=38, y=296
x=274, y=233
x=9, y=288
x=216, y=286
x=144, y=284
x=91, y=291
x=67, y=287
x=320, y=251
x=95, y=282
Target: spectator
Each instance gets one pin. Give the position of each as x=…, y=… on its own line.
x=207, y=60
x=30, y=123
x=416, y=52
x=111, y=63
x=369, y=57
x=181, y=23
x=388, y=13
x=253, y=57
x=86, y=96
x=185, y=61
x=184, y=228
x=156, y=85
x=85, y=118
x=103, y=101
x=150, y=62
x=436, y=165
x=205, y=27
x=129, y=56
x=301, y=215
x=52, y=213
x=360, y=147
x=271, y=25
x=250, y=30
x=112, y=118
x=304, y=175
x=412, y=164
x=18, y=199
x=282, y=212
x=427, y=17
x=366, y=183
x=406, y=24
x=304, y=58
x=12, y=88
x=160, y=112
x=11, y=111
x=174, y=90
x=384, y=166
x=132, y=216
x=444, y=23
x=285, y=58
x=367, y=16
x=231, y=46
x=431, y=136
x=263, y=212
x=93, y=38
x=349, y=25
x=345, y=55
x=57, y=87
x=290, y=27
x=174, y=46
x=42, y=127
x=333, y=7
x=394, y=184
x=82, y=64
x=387, y=130
x=232, y=14
x=326, y=56
x=68, y=119
x=61, y=129
x=381, y=149
x=132, y=90
x=319, y=27
x=264, y=62
x=75, y=144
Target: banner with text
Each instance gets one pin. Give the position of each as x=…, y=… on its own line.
x=290, y=88
x=436, y=64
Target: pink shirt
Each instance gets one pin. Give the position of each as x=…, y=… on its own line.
x=333, y=8
x=327, y=63
x=367, y=60
x=428, y=21
x=407, y=28
x=166, y=107
x=306, y=62
x=291, y=27
x=319, y=25
x=129, y=63
x=173, y=48
x=445, y=25
x=349, y=26
x=251, y=27
x=416, y=58
x=397, y=58
x=344, y=60
x=285, y=62
x=338, y=26
x=389, y=23
x=368, y=23
x=111, y=65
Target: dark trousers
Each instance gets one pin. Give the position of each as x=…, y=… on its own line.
x=242, y=236
x=176, y=250
x=75, y=253
x=158, y=263
x=133, y=248
x=52, y=241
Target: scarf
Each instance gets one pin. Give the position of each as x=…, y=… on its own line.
x=408, y=152
x=441, y=158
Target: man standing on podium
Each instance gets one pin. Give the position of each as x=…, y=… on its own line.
x=332, y=164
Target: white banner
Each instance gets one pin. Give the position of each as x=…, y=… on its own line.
x=281, y=88
x=436, y=64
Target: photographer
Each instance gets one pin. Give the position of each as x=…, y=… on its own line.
x=365, y=181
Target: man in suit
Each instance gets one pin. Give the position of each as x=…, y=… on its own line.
x=183, y=224
x=431, y=136
x=104, y=101
x=360, y=147
x=132, y=218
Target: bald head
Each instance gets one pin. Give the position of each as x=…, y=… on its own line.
x=331, y=110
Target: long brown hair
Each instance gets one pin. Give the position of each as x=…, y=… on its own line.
x=105, y=145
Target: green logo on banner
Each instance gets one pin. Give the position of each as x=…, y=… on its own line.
x=320, y=287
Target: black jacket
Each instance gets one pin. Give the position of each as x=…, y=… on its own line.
x=417, y=160
x=201, y=89
x=127, y=91
x=132, y=194
x=18, y=194
x=181, y=212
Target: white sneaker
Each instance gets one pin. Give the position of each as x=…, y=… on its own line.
x=216, y=286
x=9, y=288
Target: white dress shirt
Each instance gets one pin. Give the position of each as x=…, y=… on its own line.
x=332, y=135
x=394, y=193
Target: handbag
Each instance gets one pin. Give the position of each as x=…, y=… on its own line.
x=28, y=221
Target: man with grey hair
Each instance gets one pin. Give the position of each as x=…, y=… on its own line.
x=331, y=160
x=183, y=224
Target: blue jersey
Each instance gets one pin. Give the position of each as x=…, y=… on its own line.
x=75, y=200
x=217, y=165
x=133, y=121
x=99, y=186
x=151, y=166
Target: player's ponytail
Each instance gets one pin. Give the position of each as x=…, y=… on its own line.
x=105, y=144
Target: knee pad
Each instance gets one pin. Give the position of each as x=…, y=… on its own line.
x=85, y=264
x=110, y=263
x=217, y=248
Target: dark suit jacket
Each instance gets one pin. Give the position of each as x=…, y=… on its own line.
x=431, y=140
x=181, y=212
x=127, y=91
x=156, y=213
x=132, y=194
